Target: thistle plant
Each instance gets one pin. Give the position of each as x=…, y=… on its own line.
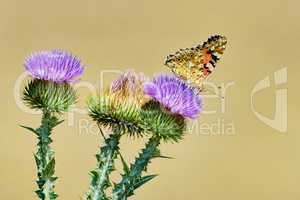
x=49, y=91
x=133, y=105
x=155, y=109
x=119, y=110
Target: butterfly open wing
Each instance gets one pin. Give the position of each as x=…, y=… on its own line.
x=194, y=64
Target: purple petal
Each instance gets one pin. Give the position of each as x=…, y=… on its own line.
x=56, y=65
x=175, y=95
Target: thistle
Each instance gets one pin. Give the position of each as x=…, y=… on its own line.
x=133, y=105
x=119, y=110
x=49, y=91
x=162, y=125
x=164, y=118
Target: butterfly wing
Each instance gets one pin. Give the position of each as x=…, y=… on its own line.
x=194, y=64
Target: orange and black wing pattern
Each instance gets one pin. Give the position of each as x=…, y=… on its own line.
x=194, y=64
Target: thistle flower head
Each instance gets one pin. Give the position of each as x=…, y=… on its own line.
x=57, y=66
x=129, y=87
x=175, y=95
x=120, y=106
x=115, y=114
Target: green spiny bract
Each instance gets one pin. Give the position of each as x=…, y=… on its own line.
x=111, y=112
x=49, y=96
x=162, y=123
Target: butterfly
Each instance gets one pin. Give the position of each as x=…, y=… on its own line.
x=195, y=64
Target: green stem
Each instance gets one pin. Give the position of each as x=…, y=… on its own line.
x=132, y=179
x=44, y=158
x=105, y=165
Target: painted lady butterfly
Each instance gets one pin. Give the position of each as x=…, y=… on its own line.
x=194, y=64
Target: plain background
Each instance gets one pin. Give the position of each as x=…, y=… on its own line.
x=256, y=162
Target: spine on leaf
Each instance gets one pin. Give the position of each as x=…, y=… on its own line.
x=44, y=157
x=133, y=179
x=105, y=165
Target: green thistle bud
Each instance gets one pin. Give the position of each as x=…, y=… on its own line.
x=164, y=124
x=110, y=111
x=49, y=96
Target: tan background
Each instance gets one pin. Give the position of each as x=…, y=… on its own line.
x=257, y=162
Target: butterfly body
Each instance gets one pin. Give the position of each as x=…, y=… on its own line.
x=194, y=64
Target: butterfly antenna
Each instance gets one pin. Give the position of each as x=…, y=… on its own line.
x=213, y=92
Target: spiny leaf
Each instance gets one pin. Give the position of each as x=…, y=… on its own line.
x=37, y=160
x=49, y=169
x=40, y=183
x=127, y=185
x=105, y=165
x=157, y=154
x=144, y=180
x=59, y=122
x=166, y=157
x=53, y=195
x=40, y=194
x=125, y=166
x=53, y=179
x=44, y=157
x=30, y=129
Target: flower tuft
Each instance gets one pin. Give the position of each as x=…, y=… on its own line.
x=175, y=95
x=129, y=86
x=57, y=66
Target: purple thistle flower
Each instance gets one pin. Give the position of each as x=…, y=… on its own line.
x=56, y=65
x=175, y=95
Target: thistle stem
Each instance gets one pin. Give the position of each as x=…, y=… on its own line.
x=105, y=165
x=132, y=179
x=44, y=158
